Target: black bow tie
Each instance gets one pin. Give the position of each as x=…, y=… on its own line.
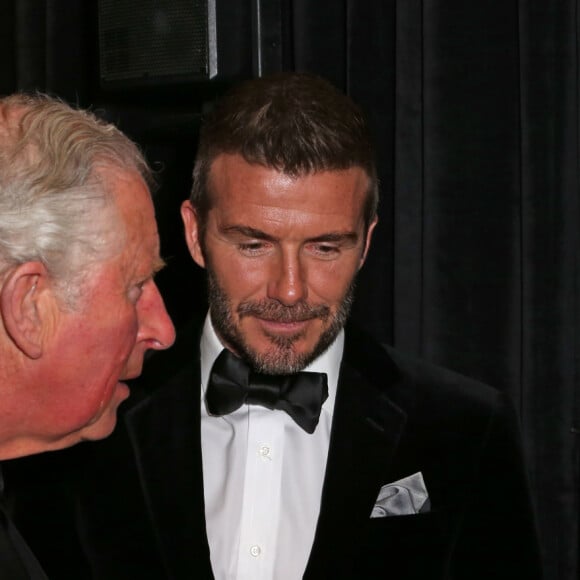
x=232, y=383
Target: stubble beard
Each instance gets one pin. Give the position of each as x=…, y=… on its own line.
x=281, y=357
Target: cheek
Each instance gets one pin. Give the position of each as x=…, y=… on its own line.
x=123, y=352
x=329, y=282
x=78, y=396
x=90, y=353
x=99, y=378
x=103, y=349
x=117, y=337
x=241, y=279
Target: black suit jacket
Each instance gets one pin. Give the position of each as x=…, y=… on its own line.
x=17, y=562
x=139, y=495
x=12, y=564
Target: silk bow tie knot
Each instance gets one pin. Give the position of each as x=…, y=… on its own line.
x=232, y=383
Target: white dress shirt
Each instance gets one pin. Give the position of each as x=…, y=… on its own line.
x=263, y=477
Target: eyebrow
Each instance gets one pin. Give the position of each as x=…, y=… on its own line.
x=250, y=232
x=337, y=237
x=158, y=265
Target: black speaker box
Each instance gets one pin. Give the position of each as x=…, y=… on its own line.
x=165, y=42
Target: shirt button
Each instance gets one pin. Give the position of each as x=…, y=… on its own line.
x=255, y=551
x=265, y=451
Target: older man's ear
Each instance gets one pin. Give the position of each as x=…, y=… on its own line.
x=22, y=307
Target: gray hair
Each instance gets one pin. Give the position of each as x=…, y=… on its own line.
x=55, y=200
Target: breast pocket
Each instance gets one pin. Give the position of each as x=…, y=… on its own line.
x=408, y=547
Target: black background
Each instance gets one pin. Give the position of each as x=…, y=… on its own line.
x=474, y=107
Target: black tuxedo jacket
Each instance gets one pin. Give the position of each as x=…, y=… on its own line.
x=15, y=565
x=140, y=493
x=17, y=562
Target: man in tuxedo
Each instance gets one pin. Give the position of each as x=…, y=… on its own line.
x=78, y=304
x=277, y=440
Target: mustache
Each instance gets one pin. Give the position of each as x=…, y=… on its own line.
x=275, y=311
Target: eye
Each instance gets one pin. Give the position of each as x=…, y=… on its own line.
x=325, y=251
x=136, y=291
x=254, y=248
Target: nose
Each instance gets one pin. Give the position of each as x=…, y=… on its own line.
x=288, y=280
x=155, y=326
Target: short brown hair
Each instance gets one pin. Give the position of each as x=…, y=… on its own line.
x=295, y=123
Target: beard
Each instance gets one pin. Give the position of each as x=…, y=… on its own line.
x=281, y=357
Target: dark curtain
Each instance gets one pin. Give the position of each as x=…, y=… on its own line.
x=474, y=107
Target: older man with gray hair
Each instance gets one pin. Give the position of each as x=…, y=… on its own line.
x=78, y=304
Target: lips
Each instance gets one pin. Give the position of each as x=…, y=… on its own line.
x=273, y=311
x=121, y=392
x=282, y=327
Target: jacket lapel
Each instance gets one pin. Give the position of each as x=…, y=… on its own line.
x=365, y=433
x=165, y=434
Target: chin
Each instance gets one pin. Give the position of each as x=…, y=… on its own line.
x=101, y=428
x=104, y=423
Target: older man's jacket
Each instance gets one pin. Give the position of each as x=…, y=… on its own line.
x=139, y=507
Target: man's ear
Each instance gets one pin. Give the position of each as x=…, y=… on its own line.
x=21, y=306
x=369, y=235
x=192, y=232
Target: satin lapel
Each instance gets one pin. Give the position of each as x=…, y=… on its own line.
x=165, y=433
x=366, y=429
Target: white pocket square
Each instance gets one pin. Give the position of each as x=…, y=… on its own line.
x=404, y=497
